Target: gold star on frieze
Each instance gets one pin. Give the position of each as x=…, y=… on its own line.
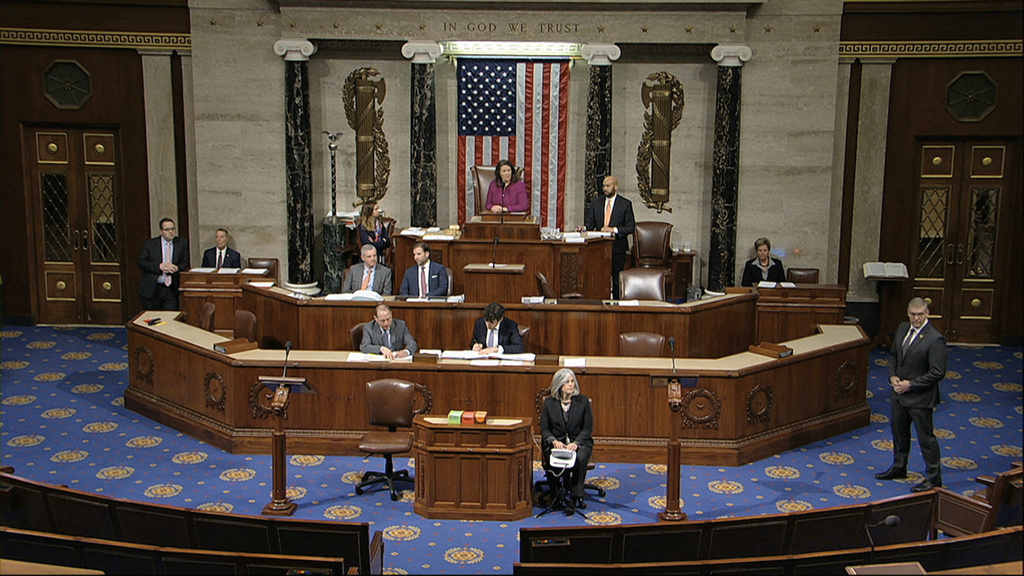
x=380, y=27
x=336, y=26
x=213, y=21
x=293, y=25
x=643, y=29
x=768, y=29
x=817, y=29
x=423, y=27
x=600, y=29
x=259, y=23
x=689, y=29
x=732, y=29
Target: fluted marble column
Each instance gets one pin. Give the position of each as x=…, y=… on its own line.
x=599, y=118
x=726, y=166
x=423, y=132
x=298, y=163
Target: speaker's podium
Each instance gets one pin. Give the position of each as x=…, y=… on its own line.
x=473, y=471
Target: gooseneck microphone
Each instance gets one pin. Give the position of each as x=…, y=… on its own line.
x=287, y=351
x=494, y=254
x=889, y=521
x=672, y=345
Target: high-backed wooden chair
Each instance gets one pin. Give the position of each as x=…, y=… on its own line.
x=802, y=275
x=548, y=291
x=646, y=344
x=1003, y=493
x=206, y=316
x=245, y=325
x=391, y=403
x=451, y=280
x=524, y=333
x=271, y=264
x=642, y=284
x=356, y=334
x=652, y=248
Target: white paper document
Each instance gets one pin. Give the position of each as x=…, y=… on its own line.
x=203, y=270
x=885, y=270
x=255, y=271
x=418, y=232
x=575, y=362
x=765, y=284
x=228, y=271
x=262, y=284
x=787, y=285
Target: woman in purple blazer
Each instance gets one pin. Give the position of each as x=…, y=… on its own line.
x=507, y=193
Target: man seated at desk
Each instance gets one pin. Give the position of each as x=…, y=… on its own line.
x=368, y=275
x=495, y=334
x=426, y=278
x=221, y=255
x=387, y=336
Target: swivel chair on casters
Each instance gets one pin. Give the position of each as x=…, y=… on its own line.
x=560, y=464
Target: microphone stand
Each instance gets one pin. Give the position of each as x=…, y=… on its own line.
x=889, y=521
x=672, y=345
x=494, y=253
x=672, y=512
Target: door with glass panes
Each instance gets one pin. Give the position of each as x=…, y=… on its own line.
x=73, y=176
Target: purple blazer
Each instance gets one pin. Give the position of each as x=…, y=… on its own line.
x=515, y=197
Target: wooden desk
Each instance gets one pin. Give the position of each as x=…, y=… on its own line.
x=584, y=268
x=741, y=408
x=473, y=471
x=785, y=313
x=503, y=226
x=223, y=290
x=681, y=265
x=564, y=328
x=488, y=283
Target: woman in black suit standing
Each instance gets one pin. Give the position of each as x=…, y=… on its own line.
x=566, y=422
x=372, y=230
x=763, y=268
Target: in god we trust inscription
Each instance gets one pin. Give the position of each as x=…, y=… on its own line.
x=513, y=27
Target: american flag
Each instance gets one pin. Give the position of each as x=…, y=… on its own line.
x=519, y=111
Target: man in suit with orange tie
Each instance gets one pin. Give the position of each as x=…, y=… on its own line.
x=615, y=216
x=917, y=364
x=369, y=275
x=161, y=260
x=221, y=255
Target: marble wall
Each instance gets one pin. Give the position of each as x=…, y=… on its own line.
x=788, y=155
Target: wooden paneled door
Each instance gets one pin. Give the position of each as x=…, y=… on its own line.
x=74, y=185
x=963, y=230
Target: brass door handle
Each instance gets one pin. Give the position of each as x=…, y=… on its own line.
x=960, y=254
x=949, y=259
x=85, y=239
x=77, y=240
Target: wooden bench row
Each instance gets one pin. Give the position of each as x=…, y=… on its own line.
x=29, y=505
x=814, y=531
x=112, y=557
x=1000, y=545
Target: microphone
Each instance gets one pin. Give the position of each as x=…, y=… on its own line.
x=494, y=252
x=672, y=345
x=889, y=521
x=287, y=351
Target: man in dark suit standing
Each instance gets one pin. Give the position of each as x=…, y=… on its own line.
x=495, y=334
x=615, y=216
x=387, y=336
x=221, y=255
x=917, y=364
x=368, y=275
x=162, y=259
x=426, y=278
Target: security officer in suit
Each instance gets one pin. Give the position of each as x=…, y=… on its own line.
x=495, y=334
x=221, y=255
x=917, y=364
x=161, y=260
x=614, y=215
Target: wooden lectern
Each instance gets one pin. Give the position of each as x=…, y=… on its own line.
x=282, y=387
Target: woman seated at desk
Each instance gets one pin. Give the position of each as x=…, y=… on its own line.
x=372, y=230
x=763, y=268
x=566, y=423
x=507, y=193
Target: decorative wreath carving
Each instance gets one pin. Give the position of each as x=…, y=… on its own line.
x=373, y=164
x=144, y=364
x=216, y=392
x=260, y=402
x=664, y=103
x=846, y=379
x=701, y=408
x=759, y=404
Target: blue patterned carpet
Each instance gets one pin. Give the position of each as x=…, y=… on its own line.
x=63, y=421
